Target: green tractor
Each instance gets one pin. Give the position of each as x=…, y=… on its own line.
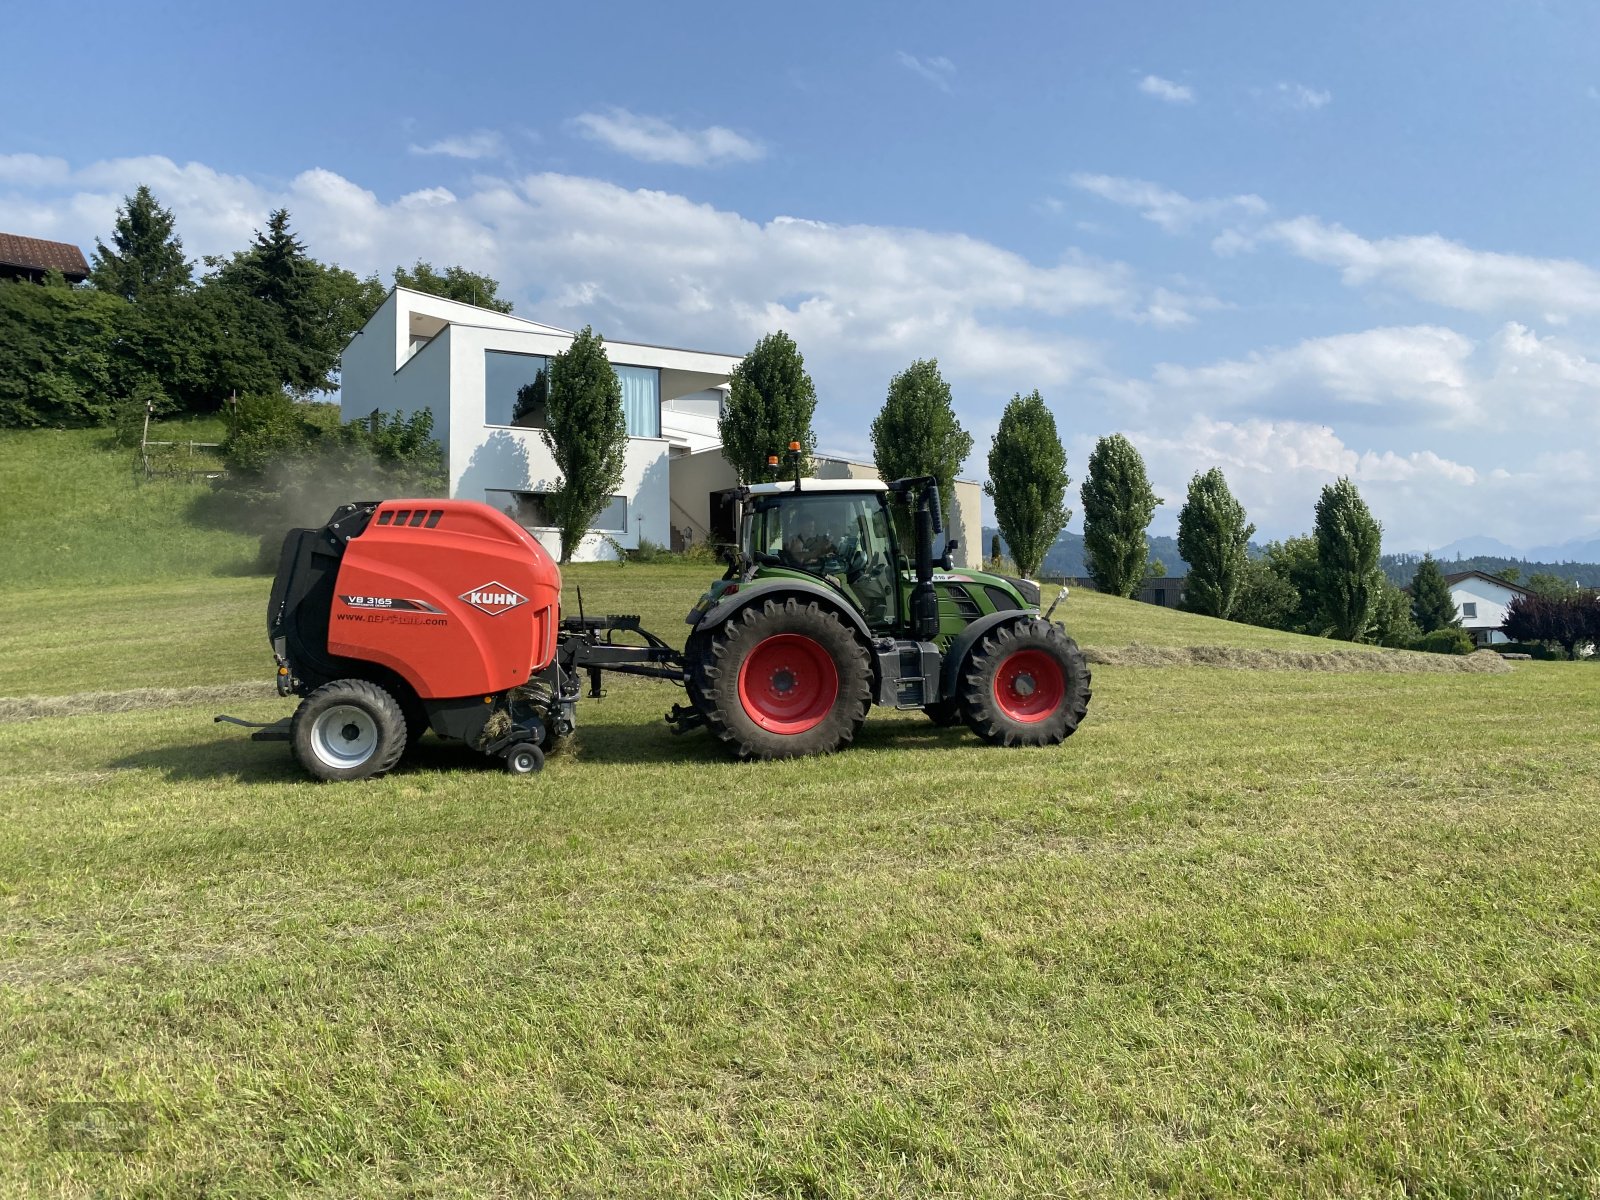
x=820, y=615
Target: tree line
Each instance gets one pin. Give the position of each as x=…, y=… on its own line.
x=152, y=330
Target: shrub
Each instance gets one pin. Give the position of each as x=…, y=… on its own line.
x=1445, y=641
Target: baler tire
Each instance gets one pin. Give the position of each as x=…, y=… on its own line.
x=379, y=737
x=1025, y=684
x=945, y=713
x=525, y=758
x=803, y=648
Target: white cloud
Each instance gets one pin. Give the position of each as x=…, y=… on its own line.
x=1300, y=97
x=1380, y=376
x=32, y=169
x=652, y=139
x=1172, y=211
x=1438, y=270
x=1278, y=468
x=937, y=70
x=483, y=144
x=1166, y=89
x=654, y=266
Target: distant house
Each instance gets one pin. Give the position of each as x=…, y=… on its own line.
x=1166, y=591
x=31, y=259
x=1481, y=601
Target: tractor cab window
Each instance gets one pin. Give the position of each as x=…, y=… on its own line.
x=844, y=538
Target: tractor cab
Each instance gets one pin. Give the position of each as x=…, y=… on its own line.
x=835, y=530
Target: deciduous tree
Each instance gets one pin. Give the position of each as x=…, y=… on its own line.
x=1118, y=503
x=453, y=283
x=1028, y=480
x=587, y=434
x=917, y=433
x=1214, y=539
x=770, y=404
x=1431, y=604
x=1349, y=542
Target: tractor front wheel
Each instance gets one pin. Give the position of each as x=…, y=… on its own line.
x=348, y=729
x=1025, y=684
x=781, y=679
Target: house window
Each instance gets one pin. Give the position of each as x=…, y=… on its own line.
x=504, y=375
x=1469, y=608
x=532, y=510
x=641, y=400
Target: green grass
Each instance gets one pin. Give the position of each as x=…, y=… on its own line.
x=76, y=513
x=1246, y=933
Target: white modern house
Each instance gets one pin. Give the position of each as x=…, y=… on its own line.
x=466, y=364
x=1481, y=601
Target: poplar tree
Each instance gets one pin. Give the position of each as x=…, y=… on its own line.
x=1118, y=503
x=917, y=433
x=1213, y=539
x=1349, y=542
x=1028, y=480
x=1431, y=605
x=770, y=403
x=145, y=257
x=587, y=434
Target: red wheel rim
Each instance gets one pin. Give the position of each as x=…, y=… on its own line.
x=1029, y=686
x=788, y=684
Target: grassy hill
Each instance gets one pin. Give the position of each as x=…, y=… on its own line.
x=76, y=512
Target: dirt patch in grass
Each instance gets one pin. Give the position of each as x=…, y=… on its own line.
x=1483, y=662
x=31, y=708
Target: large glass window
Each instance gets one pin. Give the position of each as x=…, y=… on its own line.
x=641, y=400
x=504, y=375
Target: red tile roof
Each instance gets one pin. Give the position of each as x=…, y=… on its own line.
x=36, y=254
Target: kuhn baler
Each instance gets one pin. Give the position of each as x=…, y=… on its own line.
x=401, y=616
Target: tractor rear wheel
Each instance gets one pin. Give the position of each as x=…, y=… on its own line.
x=348, y=729
x=1025, y=684
x=781, y=679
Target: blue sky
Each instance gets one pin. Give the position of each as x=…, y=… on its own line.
x=1295, y=242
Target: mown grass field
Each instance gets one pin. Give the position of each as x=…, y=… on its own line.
x=1246, y=933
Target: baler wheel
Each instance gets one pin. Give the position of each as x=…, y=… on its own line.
x=525, y=758
x=781, y=679
x=1025, y=684
x=348, y=729
x=944, y=713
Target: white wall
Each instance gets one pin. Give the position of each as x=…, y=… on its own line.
x=1491, y=599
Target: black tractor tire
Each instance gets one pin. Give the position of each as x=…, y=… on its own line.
x=348, y=729
x=1025, y=684
x=781, y=679
x=525, y=758
x=945, y=713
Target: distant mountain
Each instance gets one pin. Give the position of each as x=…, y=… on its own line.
x=1579, y=549
x=1478, y=545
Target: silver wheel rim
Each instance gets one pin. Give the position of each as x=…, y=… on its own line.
x=345, y=736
